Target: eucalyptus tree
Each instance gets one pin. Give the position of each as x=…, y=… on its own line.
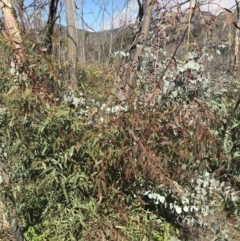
x=11, y=30
x=72, y=43
x=143, y=20
x=53, y=6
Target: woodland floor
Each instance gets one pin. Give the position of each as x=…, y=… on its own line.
x=193, y=234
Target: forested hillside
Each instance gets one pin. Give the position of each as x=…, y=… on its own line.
x=123, y=134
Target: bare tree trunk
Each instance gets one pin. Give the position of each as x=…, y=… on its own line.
x=83, y=35
x=142, y=38
x=12, y=33
x=72, y=43
x=51, y=22
x=111, y=34
x=236, y=51
x=148, y=7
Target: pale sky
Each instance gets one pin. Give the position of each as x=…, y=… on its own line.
x=130, y=12
x=217, y=5
x=101, y=14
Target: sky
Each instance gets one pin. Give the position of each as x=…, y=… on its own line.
x=126, y=11
x=104, y=14
x=96, y=13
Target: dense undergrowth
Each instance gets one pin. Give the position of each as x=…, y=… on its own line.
x=85, y=175
x=162, y=164
x=68, y=175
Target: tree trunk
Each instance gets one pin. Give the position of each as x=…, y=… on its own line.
x=83, y=35
x=12, y=32
x=72, y=44
x=147, y=8
x=236, y=51
x=50, y=23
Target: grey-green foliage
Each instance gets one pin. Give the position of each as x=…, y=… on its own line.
x=69, y=173
x=178, y=80
x=197, y=202
x=205, y=195
x=180, y=83
x=163, y=83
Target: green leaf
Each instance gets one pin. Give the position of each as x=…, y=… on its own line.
x=236, y=154
x=178, y=209
x=15, y=146
x=95, y=140
x=44, y=166
x=44, y=150
x=145, y=238
x=175, y=93
x=65, y=193
x=71, y=151
x=235, y=125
